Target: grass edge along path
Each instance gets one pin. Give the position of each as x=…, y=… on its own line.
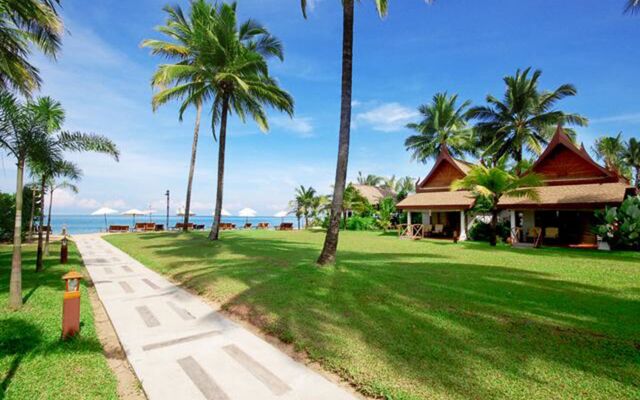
x=34, y=362
x=427, y=319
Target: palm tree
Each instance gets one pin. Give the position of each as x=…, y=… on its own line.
x=632, y=7
x=494, y=183
x=328, y=254
x=371, y=180
x=444, y=123
x=51, y=164
x=404, y=187
x=631, y=157
x=66, y=170
x=304, y=202
x=520, y=121
x=353, y=201
x=24, y=136
x=25, y=24
x=610, y=150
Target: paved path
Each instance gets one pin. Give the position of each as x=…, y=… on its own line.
x=181, y=348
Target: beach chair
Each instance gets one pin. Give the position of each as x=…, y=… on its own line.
x=198, y=227
x=248, y=225
x=263, y=225
x=180, y=226
x=285, y=226
x=118, y=228
x=159, y=227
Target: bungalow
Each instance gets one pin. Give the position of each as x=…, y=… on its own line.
x=575, y=186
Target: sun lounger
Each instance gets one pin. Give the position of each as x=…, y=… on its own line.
x=248, y=225
x=159, y=227
x=285, y=226
x=118, y=228
x=198, y=227
x=263, y=225
x=180, y=226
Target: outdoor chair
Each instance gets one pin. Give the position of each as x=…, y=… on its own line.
x=118, y=228
x=159, y=227
x=551, y=233
x=428, y=230
x=263, y=225
x=438, y=230
x=285, y=226
x=247, y=225
x=533, y=233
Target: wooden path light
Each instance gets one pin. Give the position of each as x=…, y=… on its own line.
x=71, y=305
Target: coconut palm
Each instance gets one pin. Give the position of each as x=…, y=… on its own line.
x=444, y=123
x=26, y=24
x=24, y=136
x=521, y=119
x=304, y=201
x=328, y=254
x=494, y=183
x=371, y=180
x=610, y=149
x=631, y=157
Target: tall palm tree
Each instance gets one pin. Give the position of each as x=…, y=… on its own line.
x=610, y=150
x=328, y=254
x=631, y=157
x=191, y=39
x=370, y=179
x=25, y=24
x=51, y=163
x=444, y=123
x=520, y=120
x=494, y=183
x=24, y=136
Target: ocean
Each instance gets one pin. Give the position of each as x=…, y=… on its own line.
x=76, y=224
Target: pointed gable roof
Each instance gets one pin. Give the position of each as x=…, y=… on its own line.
x=445, y=170
x=562, y=162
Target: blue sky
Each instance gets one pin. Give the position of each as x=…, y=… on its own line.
x=102, y=79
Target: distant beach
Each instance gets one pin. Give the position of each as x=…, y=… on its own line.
x=76, y=224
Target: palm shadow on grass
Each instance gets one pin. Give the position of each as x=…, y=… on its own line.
x=441, y=323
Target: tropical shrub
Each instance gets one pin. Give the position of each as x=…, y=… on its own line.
x=8, y=213
x=358, y=223
x=481, y=231
x=620, y=226
x=385, y=213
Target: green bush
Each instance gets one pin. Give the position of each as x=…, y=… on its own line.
x=357, y=223
x=481, y=231
x=8, y=212
x=620, y=226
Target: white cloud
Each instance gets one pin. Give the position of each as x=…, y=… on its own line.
x=630, y=118
x=301, y=126
x=388, y=117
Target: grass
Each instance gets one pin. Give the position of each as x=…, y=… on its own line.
x=34, y=362
x=429, y=319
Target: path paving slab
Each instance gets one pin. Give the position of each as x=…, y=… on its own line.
x=181, y=348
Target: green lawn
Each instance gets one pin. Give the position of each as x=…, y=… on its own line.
x=34, y=363
x=427, y=319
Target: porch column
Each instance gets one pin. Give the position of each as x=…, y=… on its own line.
x=463, y=226
x=512, y=219
x=408, y=217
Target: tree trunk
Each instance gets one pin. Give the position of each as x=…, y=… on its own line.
x=192, y=167
x=638, y=176
x=518, y=159
x=328, y=254
x=298, y=223
x=215, y=229
x=493, y=240
x=15, y=283
x=33, y=212
x=46, y=241
x=306, y=222
x=39, y=258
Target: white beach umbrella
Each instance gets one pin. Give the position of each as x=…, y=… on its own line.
x=281, y=215
x=105, y=211
x=133, y=212
x=247, y=212
x=225, y=213
x=181, y=212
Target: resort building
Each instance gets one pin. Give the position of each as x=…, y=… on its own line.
x=373, y=194
x=575, y=186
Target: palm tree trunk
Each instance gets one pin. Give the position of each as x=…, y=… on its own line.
x=46, y=241
x=638, y=176
x=328, y=254
x=15, y=283
x=493, y=239
x=518, y=159
x=40, y=236
x=306, y=222
x=192, y=167
x=215, y=229
x=33, y=212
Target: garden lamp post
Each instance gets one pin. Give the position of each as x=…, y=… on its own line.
x=71, y=305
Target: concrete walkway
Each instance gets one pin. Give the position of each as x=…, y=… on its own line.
x=180, y=348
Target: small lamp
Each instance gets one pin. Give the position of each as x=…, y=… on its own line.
x=64, y=250
x=71, y=304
